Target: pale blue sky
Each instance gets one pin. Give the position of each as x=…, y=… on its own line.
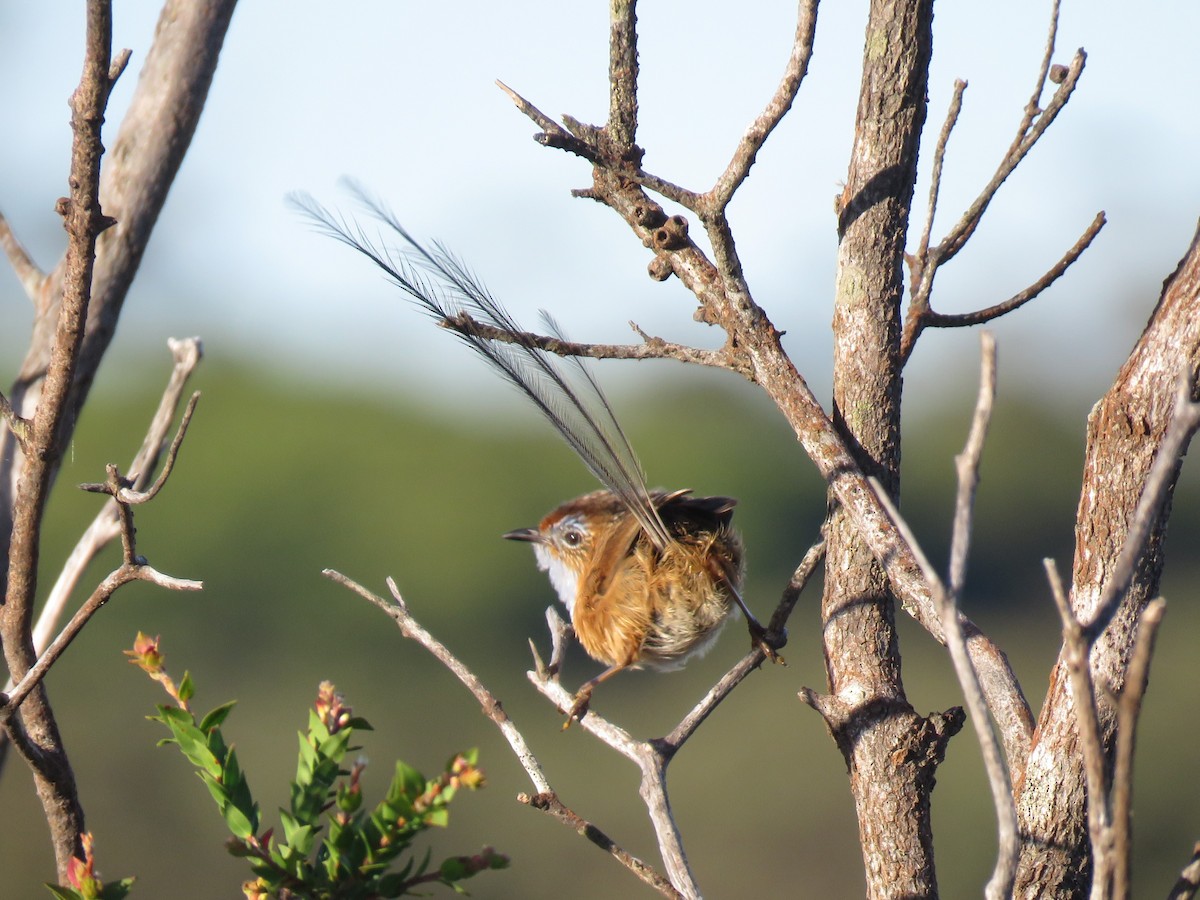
x=401, y=96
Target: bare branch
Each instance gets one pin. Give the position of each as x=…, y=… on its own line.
x=106, y=526
x=397, y=609
x=100, y=596
x=1034, y=106
x=920, y=316
x=1032, y=127
x=1076, y=649
x=1000, y=885
x=622, y=125
x=939, y=157
x=652, y=348
x=125, y=493
x=17, y=425
x=735, y=173
x=553, y=134
x=1129, y=708
x=31, y=277
x=607, y=732
x=967, y=463
x=622, y=75
x=117, y=69
x=752, y=660
x=1189, y=879
x=550, y=804
x=926, y=262
x=53, y=777
x=539, y=118
x=133, y=568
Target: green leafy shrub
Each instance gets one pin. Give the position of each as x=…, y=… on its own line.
x=332, y=847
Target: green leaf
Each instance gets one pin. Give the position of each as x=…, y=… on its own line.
x=454, y=868
x=297, y=835
x=117, y=890
x=63, y=893
x=391, y=885
x=409, y=783
x=239, y=823
x=186, y=689
x=316, y=727
x=216, y=717
x=216, y=789
x=238, y=791
x=192, y=742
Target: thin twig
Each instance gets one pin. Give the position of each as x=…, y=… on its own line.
x=943, y=320
x=1076, y=650
x=127, y=494
x=595, y=724
x=1034, y=106
x=16, y=424
x=106, y=526
x=939, y=158
x=551, y=805
x=926, y=262
x=123, y=575
x=398, y=610
x=1028, y=134
x=735, y=173
x=132, y=568
x=954, y=637
x=651, y=348
x=1129, y=708
x=1189, y=879
x=553, y=134
x=120, y=61
x=967, y=463
x=753, y=659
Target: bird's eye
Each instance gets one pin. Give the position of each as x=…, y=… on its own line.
x=573, y=538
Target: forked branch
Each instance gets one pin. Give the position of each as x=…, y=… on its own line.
x=725, y=300
x=133, y=568
x=924, y=264
x=546, y=799
x=106, y=526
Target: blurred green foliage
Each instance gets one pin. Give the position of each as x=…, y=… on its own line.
x=280, y=478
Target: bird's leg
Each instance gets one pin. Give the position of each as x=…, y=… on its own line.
x=759, y=637
x=583, y=696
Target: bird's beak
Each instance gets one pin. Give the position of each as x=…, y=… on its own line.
x=532, y=535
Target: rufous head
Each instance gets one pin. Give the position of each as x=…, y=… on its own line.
x=565, y=541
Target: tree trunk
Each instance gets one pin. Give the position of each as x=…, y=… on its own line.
x=1124, y=433
x=891, y=752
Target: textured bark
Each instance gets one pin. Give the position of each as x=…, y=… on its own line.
x=34, y=729
x=77, y=308
x=1123, y=436
x=891, y=752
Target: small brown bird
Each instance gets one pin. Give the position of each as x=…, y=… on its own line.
x=649, y=578
x=641, y=596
